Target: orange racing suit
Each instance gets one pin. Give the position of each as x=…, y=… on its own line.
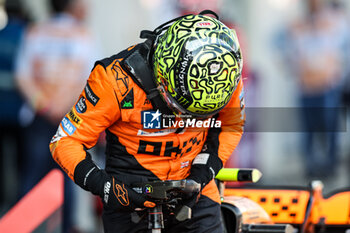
x=112, y=101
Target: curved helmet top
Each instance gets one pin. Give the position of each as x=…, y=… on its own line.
x=197, y=63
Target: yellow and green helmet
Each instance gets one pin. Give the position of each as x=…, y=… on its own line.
x=197, y=63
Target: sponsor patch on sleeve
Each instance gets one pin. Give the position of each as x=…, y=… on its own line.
x=68, y=126
x=90, y=95
x=80, y=107
x=74, y=117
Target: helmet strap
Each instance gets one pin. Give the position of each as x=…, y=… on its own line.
x=137, y=65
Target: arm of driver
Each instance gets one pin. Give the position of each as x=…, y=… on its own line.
x=80, y=130
x=222, y=142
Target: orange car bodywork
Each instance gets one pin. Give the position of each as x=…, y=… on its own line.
x=290, y=205
x=252, y=213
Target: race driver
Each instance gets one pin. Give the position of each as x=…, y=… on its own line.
x=194, y=65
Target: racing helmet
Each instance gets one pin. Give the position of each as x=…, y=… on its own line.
x=197, y=64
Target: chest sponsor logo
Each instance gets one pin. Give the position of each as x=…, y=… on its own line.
x=74, y=117
x=81, y=105
x=141, y=132
x=90, y=95
x=171, y=150
x=68, y=126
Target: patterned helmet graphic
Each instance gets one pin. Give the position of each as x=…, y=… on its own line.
x=197, y=64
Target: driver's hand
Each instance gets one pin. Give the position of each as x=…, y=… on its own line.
x=192, y=193
x=118, y=196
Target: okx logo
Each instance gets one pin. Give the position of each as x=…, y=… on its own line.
x=151, y=119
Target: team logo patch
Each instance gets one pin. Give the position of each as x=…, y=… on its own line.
x=74, y=117
x=90, y=95
x=81, y=105
x=128, y=101
x=151, y=119
x=68, y=126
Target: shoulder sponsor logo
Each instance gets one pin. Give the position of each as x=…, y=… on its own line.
x=127, y=104
x=121, y=77
x=90, y=95
x=68, y=126
x=128, y=101
x=74, y=117
x=81, y=105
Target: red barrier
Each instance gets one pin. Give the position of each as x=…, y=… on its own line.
x=36, y=206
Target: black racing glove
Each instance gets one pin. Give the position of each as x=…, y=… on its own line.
x=204, y=168
x=115, y=194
